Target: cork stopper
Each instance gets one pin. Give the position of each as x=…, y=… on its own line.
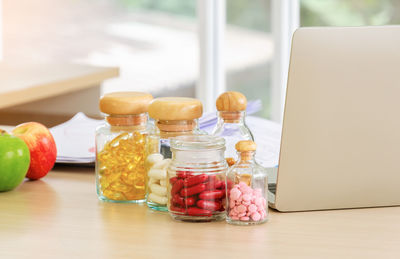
x=231, y=102
x=125, y=103
x=246, y=149
x=245, y=146
x=175, y=109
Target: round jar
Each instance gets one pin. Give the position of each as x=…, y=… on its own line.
x=231, y=123
x=121, y=147
x=174, y=116
x=247, y=188
x=196, y=176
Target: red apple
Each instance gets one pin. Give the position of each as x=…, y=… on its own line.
x=42, y=148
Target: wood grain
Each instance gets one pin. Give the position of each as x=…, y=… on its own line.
x=60, y=217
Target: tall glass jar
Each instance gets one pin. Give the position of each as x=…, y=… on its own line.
x=174, y=116
x=247, y=188
x=120, y=147
x=231, y=124
x=196, y=175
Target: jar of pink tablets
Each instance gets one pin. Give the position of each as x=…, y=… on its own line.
x=247, y=188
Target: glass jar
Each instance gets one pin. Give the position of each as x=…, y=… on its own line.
x=120, y=147
x=196, y=175
x=174, y=116
x=231, y=124
x=247, y=188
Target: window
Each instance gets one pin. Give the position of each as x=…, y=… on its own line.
x=349, y=12
x=155, y=43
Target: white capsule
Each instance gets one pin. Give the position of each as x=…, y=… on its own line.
x=158, y=189
x=157, y=199
x=162, y=164
x=154, y=158
x=157, y=174
x=153, y=180
x=163, y=182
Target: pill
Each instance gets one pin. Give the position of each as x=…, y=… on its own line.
x=193, y=180
x=190, y=201
x=183, y=174
x=244, y=218
x=232, y=204
x=243, y=185
x=157, y=173
x=158, y=189
x=152, y=180
x=247, y=191
x=163, y=182
x=193, y=190
x=212, y=195
x=241, y=208
x=214, y=185
x=193, y=211
x=246, y=203
x=235, y=193
x=258, y=201
x=177, y=187
x=162, y=164
x=154, y=158
x=175, y=209
x=243, y=214
x=255, y=216
x=235, y=218
x=208, y=205
x=246, y=197
x=173, y=180
x=157, y=199
x=178, y=200
x=252, y=208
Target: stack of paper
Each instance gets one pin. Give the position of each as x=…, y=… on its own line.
x=75, y=139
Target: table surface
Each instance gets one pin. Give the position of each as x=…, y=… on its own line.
x=61, y=217
x=22, y=83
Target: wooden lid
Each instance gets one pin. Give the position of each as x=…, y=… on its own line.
x=231, y=102
x=125, y=103
x=245, y=146
x=175, y=108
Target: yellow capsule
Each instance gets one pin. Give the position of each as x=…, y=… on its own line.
x=123, y=174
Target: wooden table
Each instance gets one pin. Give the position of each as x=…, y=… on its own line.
x=60, y=217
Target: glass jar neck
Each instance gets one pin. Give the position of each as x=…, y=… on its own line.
x=172, y=128
x=231, y=117
x=134, y=121
x=246, y=157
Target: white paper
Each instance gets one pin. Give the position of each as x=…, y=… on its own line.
x=75, y=139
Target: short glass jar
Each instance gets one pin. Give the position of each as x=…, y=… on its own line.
x=247, y=188
x=121, y=147
x=174, y=116
x=196, y=175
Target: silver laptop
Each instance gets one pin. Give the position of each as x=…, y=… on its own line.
x=341, y=129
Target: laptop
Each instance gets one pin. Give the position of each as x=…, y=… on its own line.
x=341, y=129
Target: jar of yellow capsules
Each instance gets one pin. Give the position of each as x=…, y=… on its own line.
x=121, y=147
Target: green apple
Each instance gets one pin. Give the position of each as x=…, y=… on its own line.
x=14, y=161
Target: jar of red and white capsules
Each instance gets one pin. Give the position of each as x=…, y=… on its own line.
x=247, y=188
x=196, y=175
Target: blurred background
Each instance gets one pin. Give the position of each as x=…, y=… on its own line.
x=155, y=42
